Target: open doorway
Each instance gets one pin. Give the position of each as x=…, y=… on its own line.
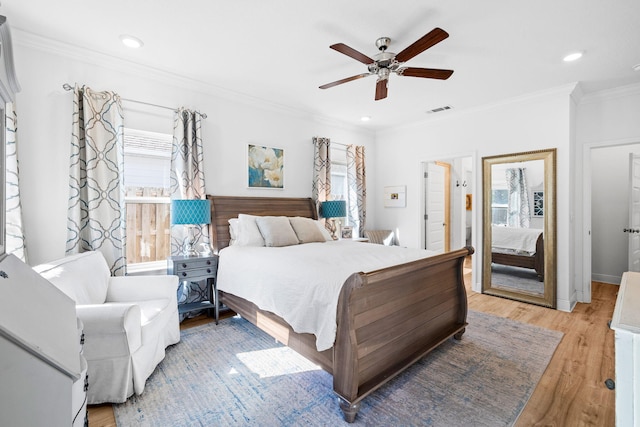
x=609, y=203
x=447, y=208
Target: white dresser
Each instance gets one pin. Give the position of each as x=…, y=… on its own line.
x=626, y=323
x=40, y=358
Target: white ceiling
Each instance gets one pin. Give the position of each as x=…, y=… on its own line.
x=278, y=50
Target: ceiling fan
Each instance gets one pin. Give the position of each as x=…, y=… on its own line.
x=385, y=63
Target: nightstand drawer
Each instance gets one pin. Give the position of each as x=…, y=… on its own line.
x=196, y=272
x=195, y=264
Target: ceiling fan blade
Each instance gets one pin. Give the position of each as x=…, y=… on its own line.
x=433, y=37
x=381, y=89
x=429, y=73
x=351, y=52
x=348, y=79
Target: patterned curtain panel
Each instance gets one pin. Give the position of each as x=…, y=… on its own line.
x=96, y=215
x=15, y=242
x=519, y=212
x=187, y=173
x=356, y=180
x=321, y=186
x=187, y=182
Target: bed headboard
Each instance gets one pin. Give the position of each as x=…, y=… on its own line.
x=224, y=208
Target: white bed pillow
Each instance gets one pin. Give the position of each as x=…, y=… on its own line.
x=324, y=231
x=248, y=233
x=276, y=231
x=306, y=230
x=234, y=226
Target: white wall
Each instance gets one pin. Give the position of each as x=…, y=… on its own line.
x=539, y=121
x=44, y=131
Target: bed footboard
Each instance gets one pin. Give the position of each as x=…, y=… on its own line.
x=387, y=320
x=390, y=318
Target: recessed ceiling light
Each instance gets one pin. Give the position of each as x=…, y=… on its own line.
x=636, y=67
x=572, y=56
x=131, y=41
x=365, y=118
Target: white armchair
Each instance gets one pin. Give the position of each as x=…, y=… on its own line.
x=128, y=322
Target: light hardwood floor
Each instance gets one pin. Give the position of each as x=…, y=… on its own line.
x=572, y=390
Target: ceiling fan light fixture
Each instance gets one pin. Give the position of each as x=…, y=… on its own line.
x=572, y=57
x=365, y=118
x=131, y=41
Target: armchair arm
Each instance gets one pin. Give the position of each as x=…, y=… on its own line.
x=142, y=288
x=110, y=329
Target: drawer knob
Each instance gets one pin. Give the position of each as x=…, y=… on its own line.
x=208, y=270
x=208, y=262
x=184, y=274
x=184, y=265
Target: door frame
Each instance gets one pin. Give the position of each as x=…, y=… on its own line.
x=583, y=235
x=476, y=214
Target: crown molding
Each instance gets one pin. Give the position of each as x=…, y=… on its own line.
x=613, y=93
x=81, y=54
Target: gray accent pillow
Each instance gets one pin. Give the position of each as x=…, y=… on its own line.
x=306, y=229
x=276, y=231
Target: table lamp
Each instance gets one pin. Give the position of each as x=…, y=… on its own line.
x=334, y=209
x=190, y=213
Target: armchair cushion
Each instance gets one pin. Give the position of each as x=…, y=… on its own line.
x=83, y=277
x=128, y=322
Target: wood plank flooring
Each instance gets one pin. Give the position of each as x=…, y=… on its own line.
x=572, y=390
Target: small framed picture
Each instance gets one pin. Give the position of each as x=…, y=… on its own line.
x=347, y=232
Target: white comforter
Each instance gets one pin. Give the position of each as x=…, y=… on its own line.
x=302, y=283
x=515, y=240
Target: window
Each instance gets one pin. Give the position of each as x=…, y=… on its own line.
x=499, y=206
x=147, y=164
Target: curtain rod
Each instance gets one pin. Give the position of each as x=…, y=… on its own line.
x=68, y=87
x=335, y=143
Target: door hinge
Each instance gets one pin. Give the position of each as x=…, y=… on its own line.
x=426, y=174
x=426, y=217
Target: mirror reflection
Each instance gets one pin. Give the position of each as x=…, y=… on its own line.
x=519, y=226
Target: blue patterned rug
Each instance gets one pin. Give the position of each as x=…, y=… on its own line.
x=233, y=374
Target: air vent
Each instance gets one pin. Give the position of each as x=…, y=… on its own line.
x=440, y=109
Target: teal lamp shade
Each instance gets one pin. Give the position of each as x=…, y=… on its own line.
x=334, y=209
x=191, y=212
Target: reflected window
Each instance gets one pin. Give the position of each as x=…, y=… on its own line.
x=499, y=206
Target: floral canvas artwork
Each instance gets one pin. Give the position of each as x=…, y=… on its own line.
x=265, y=167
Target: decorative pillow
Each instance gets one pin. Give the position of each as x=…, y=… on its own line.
x=234, y=226
x=324, y=231
x=276, y=231
x=306, y=230
x=248, y=233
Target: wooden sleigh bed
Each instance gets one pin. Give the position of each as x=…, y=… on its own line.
x=535, y=261
x=386, y=319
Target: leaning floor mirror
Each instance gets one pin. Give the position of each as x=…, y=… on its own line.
x=519, y=226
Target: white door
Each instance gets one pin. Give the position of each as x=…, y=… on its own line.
x=435, y=208
x=634, y=212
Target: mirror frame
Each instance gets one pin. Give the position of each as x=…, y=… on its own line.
x=548, y=299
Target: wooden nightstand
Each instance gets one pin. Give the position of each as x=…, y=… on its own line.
x=193, y=269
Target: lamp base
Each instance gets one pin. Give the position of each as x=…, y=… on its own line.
x=187, y=247
x=335, y=228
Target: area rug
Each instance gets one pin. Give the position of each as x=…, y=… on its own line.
x=234, y=374
x=517, y=278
